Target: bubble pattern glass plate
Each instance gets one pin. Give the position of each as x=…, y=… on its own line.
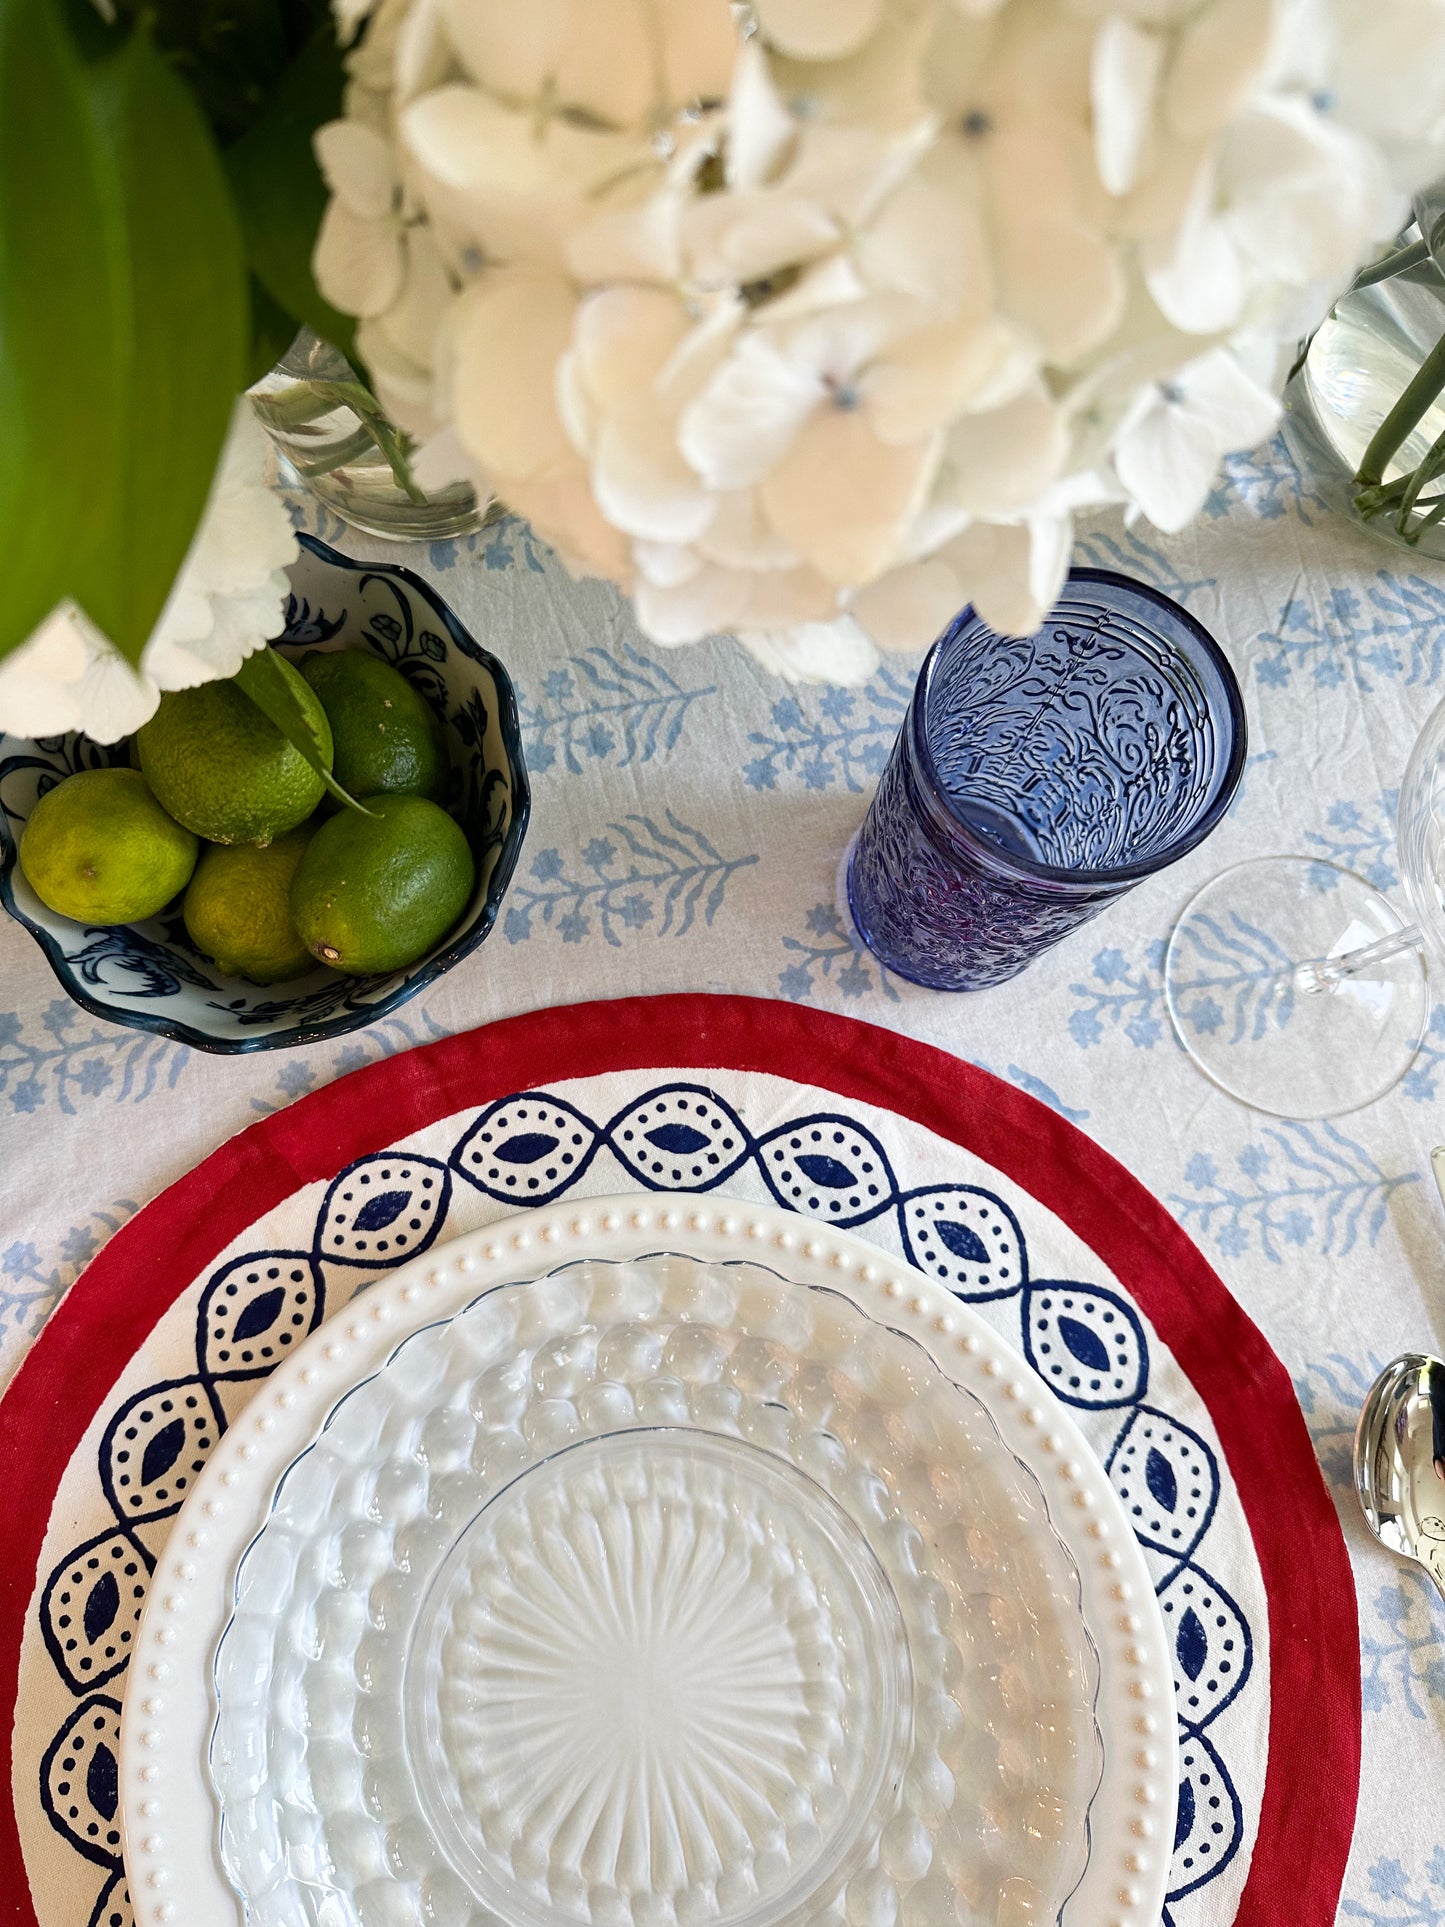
x=657, y=1592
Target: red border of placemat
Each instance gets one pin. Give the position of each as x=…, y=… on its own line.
x=1312, y=1773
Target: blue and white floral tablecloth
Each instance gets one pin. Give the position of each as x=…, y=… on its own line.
x=689, y=813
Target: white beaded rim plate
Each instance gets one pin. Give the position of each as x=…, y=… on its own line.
x=784, y=1462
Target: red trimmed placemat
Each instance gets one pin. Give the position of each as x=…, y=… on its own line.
x=1312, y=1771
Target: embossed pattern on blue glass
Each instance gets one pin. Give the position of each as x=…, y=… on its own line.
x=1036, y=778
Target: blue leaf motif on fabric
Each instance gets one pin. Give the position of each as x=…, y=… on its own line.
x=1087, y=1347
x=1160, y=1479
x=825, y=1171
x=528, y=1147
x=260, y=1315
x=962, y=1242
x=1191, y=1644
x=162, y=1451
x=384, y=1209
x=681, y=1140
x=101, y=1605
x=102, y=1781
x=1184, y=1814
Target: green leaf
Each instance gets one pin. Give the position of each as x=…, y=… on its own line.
x=188, y=312
x=272, y=332
x=60, y=321
x=280, y=195
x=226, y=52
x=260, y=677
x=123, y=322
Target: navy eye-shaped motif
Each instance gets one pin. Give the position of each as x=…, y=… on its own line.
x=1167, y=1479
x=80, y=1780
x=1209, y=1643
x=382, y=1210
x=91, y=1607
x=526, y=1149
x=154, y=1447
x=968, y=1239
x=681, y=1138
x=828, y=1167
x=255, y=1310
x=1085, y=1343
x=1208, y=1820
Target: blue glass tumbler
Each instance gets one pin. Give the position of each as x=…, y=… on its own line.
x=1036, y=778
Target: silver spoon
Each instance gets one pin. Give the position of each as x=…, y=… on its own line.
x=1400, y=1451
x=1400, y=1461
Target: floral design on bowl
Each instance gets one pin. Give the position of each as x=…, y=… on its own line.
x=149, y=975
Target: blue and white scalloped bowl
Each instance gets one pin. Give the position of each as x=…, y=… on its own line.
x=149, y=975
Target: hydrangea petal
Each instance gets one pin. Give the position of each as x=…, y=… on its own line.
x=835, y=652
x=1123, y=84
x=747, y=413
x=642, y=483
x=357, y=166
x=818, y=29
x=938, y=372
x=760, y=128
x=1166, y=460
x=842, y=498
x=357, y=263
x=1013, y=573
x=909, y=607
x=999, y=461
x=731, y=240
x=1218, y=56
x=505, y=335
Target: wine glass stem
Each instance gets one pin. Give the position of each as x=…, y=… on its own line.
x=1324, y=973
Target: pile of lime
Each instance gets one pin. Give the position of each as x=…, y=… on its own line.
x=277, y=875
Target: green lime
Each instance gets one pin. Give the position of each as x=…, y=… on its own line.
x=376, y=892
x=99, y=848
x=224, y=769
x=384, y=731
x=238, y=909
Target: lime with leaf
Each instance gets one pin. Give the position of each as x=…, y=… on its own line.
x=223, y=768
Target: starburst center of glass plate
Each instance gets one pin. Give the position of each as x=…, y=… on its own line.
x=660, y=1677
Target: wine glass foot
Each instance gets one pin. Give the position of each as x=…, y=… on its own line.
x=1250, y=1006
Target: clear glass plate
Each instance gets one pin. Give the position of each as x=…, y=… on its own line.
x=648, y=1593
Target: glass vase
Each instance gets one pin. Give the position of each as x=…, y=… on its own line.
x=1364, y=412
x=334, y=438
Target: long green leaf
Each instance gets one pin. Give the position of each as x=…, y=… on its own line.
x=279, y=192
x=61, y=375
x=123, y=320
x=188, y=308
x=261, y=678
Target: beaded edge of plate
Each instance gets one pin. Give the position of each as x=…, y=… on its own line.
x=1132, y=1644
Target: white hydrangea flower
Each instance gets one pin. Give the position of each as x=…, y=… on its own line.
x=227, y=601
x=812, y=320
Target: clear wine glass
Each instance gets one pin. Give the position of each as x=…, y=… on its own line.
x=1295, y=985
